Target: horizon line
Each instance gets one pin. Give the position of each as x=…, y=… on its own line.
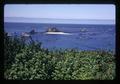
x=60, y=23
x=59, y=18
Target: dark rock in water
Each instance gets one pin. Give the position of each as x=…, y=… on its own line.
x=27, y=34
x=32, y=32
x=52, y=30
x=83, y=30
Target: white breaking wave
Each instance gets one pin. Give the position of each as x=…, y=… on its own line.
x=25, y=34
x=58, y=33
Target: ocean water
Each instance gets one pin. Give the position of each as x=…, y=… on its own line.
x=82, y=36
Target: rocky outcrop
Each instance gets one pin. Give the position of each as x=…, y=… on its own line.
x=32, y=32
x=83, y=30
x=52, y=30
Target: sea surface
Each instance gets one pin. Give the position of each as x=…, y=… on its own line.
x=81, y=36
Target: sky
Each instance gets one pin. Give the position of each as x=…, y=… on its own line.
x=61, y=11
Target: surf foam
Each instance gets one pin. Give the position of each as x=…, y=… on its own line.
x=62, y=33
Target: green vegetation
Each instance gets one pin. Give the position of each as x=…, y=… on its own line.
x=31, y=62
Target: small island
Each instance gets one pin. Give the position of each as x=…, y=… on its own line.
x=53, y=29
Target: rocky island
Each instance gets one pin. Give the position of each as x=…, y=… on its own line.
x=54, y=29
x=27, y=34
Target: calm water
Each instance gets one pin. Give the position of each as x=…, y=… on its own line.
x=94, y=37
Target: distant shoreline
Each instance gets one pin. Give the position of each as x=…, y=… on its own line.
x=59, y=21
x=54, y=23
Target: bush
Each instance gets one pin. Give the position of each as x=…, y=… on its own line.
x=31, y=62
x=12, y=46
x=85, y=65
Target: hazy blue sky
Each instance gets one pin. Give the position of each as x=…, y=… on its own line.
x=61, y=11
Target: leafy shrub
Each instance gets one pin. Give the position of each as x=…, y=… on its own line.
x=12, y=46
x=31, y=62
x=85, y=65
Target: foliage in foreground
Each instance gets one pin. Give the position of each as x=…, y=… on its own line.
x=31, y=62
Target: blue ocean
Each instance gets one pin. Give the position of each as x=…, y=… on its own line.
x=81, y=36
